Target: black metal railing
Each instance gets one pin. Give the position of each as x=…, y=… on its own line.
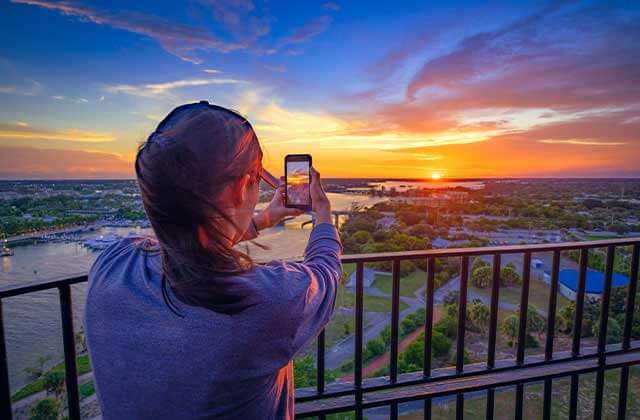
x=431, y=383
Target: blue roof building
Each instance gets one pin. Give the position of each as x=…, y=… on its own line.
x=594, y=282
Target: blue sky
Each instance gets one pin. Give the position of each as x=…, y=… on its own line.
x=370, y=89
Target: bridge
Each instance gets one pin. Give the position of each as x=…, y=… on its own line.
x=335, y=213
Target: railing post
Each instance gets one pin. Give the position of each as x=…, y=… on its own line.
x=493, y=328
x=524, y=307
x=551, y=326
x=631, y=298
x=5, y=391
x=428, y=324
x=577, y=322
x=395, y=314
x=358, y=344
x=395, y=320
x=602, y=332
x=71, y=376
x=428, y=328
x=462, y=326
x=320, y=363
x=462, y=313
x=626, y=336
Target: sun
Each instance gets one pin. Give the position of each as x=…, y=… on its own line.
x=436, y=176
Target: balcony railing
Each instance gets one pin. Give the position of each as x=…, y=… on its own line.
x=431, y=383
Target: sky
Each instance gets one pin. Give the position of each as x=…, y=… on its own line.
x=371, y=89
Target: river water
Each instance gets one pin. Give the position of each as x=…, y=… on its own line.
x=32, y=322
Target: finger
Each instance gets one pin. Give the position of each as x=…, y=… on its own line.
x=315, y=177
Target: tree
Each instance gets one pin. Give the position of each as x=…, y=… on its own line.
x=81, y=341
x=347, y=329
x=509, y=328
x=509, y=275
x=54, y=382
x=614, y=330
x=46, y=409
x=373, y=349
x=479, y=263
x=481, y=277
x=618, y=302
x=362, y=237
x=478, y=316
x=536, y=323
x=440, y=344
x=385, y=336
x=305, y=372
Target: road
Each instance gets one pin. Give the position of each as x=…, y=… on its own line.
x=345, y=349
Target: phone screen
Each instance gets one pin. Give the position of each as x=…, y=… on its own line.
x=297, y=171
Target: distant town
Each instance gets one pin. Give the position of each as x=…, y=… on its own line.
x=386, y=215
x=496, y=211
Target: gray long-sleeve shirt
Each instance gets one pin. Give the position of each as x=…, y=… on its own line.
x=150, y=363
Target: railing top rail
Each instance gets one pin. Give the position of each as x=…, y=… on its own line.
x=490, y=250
x=42, y=285
x=10, y=291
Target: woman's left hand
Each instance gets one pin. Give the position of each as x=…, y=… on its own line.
x=275, y=211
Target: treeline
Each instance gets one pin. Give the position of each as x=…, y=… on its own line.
x=12, y=225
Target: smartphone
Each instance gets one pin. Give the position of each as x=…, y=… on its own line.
x=297, y=173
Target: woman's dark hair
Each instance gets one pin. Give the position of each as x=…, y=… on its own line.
x=182, y=169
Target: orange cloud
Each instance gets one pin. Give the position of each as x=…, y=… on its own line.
x=34, y=163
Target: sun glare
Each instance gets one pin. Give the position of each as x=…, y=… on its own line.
x=436, y=176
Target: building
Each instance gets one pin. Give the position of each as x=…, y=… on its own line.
x=537, y=264
x=594, y=283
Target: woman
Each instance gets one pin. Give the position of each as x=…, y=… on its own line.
x=187, y=326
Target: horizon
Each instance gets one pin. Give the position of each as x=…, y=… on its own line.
x=449, y=91
x=373, y=179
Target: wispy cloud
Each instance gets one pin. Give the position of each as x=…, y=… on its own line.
x=178, y=39
x=156, y=89
x=212, y=71
x=279, y=68
x=310, y=30
x=22, y=124
x=293, y=52
x=29, y=87
x=23, y=132
x=583, y=142
x=331, y=6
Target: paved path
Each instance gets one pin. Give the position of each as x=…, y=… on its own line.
x=345, y=349
x=381, y=361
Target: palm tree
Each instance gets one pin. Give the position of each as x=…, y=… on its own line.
x=509, y=328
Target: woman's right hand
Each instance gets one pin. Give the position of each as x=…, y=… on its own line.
x=319, y=202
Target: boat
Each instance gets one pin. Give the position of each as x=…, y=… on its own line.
x=101, y=242
x=6, y=251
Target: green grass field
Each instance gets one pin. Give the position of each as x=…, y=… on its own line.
x=82, y=366
x=408, y=284
x=371, y=303
x=336, y=330
x=538, y=295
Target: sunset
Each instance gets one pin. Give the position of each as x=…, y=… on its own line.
x=371, y=90
x=332, y=210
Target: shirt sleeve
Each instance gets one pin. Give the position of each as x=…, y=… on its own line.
x=315, y=293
